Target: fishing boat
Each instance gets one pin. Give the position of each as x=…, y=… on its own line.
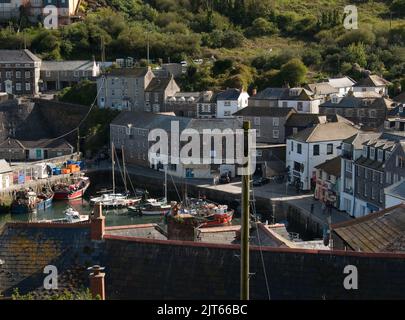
x=209, y=213
x=25, y=201
x=76, y=190
x=45, y=199
x=155, y=207
x=71, y=216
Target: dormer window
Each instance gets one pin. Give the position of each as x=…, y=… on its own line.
x=294, y=92
x=372, y=153
x=335, y=99
x=380, y=155
x=401, y=109
x=365, y=151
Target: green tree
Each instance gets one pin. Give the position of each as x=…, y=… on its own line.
x=293, y=72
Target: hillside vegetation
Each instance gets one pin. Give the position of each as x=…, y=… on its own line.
x=252, y=43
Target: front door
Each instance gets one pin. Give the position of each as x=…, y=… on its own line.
x=8, y=86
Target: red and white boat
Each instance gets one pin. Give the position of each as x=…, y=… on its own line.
x=210, y=214
x=76, y=190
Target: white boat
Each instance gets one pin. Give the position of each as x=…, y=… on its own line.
x=155, y=208
x=107, y=197
x=116, y=200
x=73, y=216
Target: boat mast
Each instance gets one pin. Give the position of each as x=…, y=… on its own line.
x=244, y=246
x=124, y=169
x=113, y=166
x=166, y=182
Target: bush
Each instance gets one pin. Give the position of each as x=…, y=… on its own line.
x=293, y=72
x=261, y=27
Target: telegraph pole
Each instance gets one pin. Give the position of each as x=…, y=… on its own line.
x=78, y=142
x=244, y=246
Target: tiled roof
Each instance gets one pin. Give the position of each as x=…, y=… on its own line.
x=400, y=97
x=26, y=249
x=382, y=231
x=297, y=94
x=18, y=56
x=372, y=81
x=397, y=190
x=265, y=112
x=341, y=82
x=230, y=94
x=158, y=84
x=358, y=139
x=330, y=131
x=149, y=121
x=323, y=88
x=331, y=166
x=269, y=94
x=303, y=119
x=69, y=65
x=128, y=72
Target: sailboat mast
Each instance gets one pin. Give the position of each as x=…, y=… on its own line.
x=166, y=182
x=113, y=166
x=124, y=169
x=244, y=246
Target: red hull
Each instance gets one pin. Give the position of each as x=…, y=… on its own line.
x=219, y=220
x=64, y=195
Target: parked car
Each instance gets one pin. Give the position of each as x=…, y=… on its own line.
x=259, y=181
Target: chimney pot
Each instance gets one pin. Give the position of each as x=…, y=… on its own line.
x=97, y=284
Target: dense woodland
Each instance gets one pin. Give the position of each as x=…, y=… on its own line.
x=245, y=43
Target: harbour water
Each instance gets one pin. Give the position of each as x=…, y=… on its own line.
x=114, y=217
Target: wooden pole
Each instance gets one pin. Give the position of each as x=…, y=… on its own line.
x=113, y=166
x=244, y=276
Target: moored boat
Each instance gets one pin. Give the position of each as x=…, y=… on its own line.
x=25, y=201
x=76, y=190
x=71, y=216
x=210, y=214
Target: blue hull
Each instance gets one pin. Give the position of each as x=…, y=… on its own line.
x=45, y=204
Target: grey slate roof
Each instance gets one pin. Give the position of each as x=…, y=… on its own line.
x=330, y=131
x=158, y=84
x=18, y=56
x=149, y=121
x=397, y=190
x=269, y=94
x=342, y=82
x=321, y=88
x=230, y=94
x=265, y=112
x=128, y=72
x=358, y=139
x=26, y=249
x=302, y=119
x=69, y=65
x=400, y=98
x=221, y=124
x=372, y=81
x=382, y=231
x=331, y=166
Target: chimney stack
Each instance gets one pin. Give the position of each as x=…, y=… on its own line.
x=97, y=227
x=97, y=285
